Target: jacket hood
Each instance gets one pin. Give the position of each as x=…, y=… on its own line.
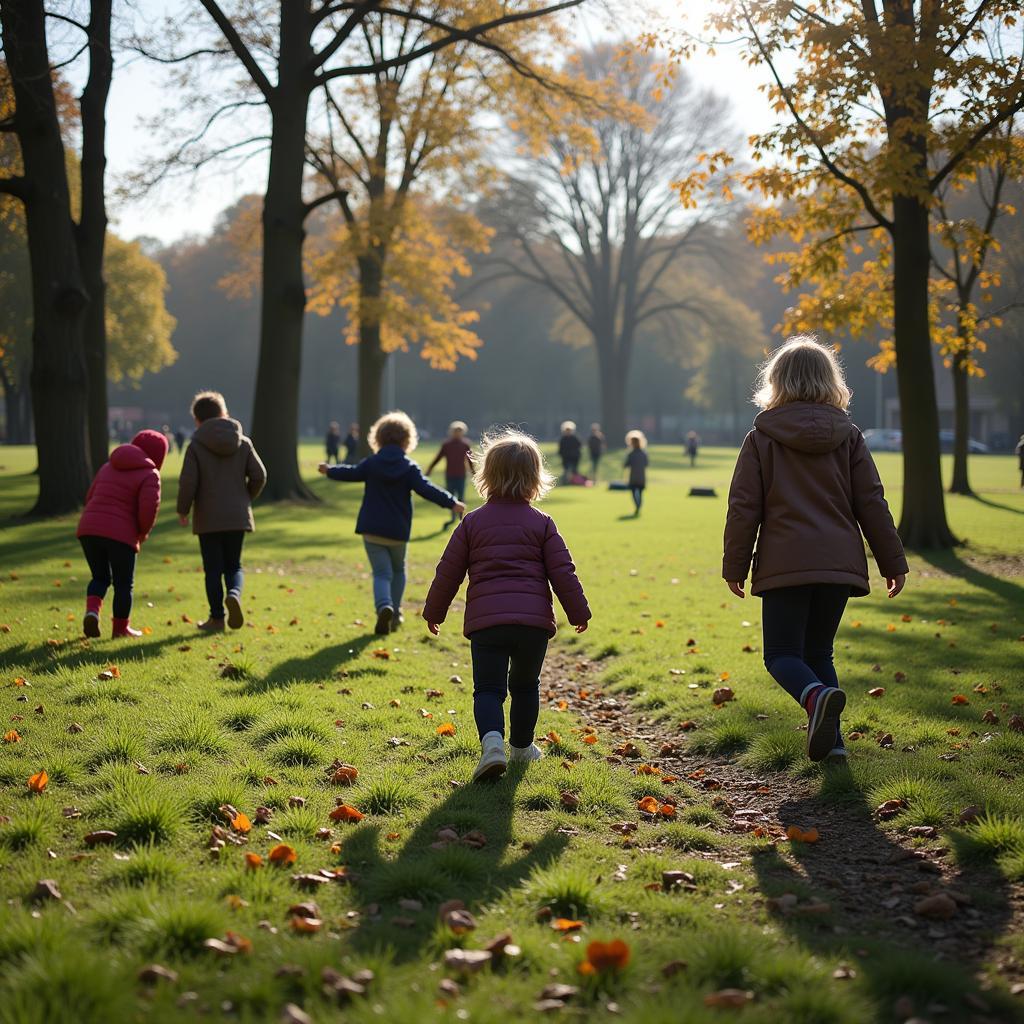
x=153, y=443
x=128, y=457
x=392, y=461
x=220, y=435
x=806, y=426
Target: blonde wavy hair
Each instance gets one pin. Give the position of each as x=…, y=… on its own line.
x=394, y=427
x=638, y=436
x=511, y=466
x=802, y=370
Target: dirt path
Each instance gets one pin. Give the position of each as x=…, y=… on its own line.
x=873, y=880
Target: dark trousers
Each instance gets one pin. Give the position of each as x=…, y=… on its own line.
x=456, y=486
x=570, y=467
x=638, y=495
x=508, y=659
x=332, y=453
x=799, y=625
x=222, y=564
x=110, y=560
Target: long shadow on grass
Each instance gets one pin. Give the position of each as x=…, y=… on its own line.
x=43, y=657
x=871, y=884
x=997, y=504
x=1005, y=589
x=424, y=870
x=312, y=668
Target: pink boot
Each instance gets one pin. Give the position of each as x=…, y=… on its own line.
x=91, y=620
x=121, y=628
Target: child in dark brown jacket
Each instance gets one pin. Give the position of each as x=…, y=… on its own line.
x=221, y=477
x=804, y=488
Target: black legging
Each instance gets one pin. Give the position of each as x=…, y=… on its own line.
x=111, y=560
x=222, y=565
x=508, y=659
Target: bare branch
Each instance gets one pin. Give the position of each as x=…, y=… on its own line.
x=341, y=195
x=16, y=186
x=242, y=52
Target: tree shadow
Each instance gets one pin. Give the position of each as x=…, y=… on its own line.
x=950, y=562
x=871, y=882
x=321, y=664
x=996, y=504
x=430, y=875
x=44, y=658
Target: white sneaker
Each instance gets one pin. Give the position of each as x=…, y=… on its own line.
x=492, y=759
x=530, y=753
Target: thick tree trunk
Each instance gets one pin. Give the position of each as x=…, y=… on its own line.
x=613, y=375
x=58, y=379
x=962, y=426
x=92, y=226
x=17, y=409
x=923, y=519
x=372, y=358
x=275, y=418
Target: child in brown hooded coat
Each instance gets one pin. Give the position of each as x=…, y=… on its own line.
x=804, y=488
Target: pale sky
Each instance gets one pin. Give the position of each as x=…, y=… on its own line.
x=191, y=207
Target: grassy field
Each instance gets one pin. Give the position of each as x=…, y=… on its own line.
x=149, y=739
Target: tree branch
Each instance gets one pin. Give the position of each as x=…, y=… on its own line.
x=242, y=52
x=976, y=136
x=16, y=186
x=340, y=194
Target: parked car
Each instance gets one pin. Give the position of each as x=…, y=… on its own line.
x=879, y=440
x=973, y=447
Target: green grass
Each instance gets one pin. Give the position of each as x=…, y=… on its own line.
x=174, y=738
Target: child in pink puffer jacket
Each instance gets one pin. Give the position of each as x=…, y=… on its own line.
x=120, y=510
x=514, y=556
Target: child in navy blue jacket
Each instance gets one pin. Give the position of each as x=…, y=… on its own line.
x=385, y=518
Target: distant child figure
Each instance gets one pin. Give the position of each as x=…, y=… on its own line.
x=385, y=517
x=458, y=458
x=351, y=443
x=120, y=510
x=514, y=556
x=636, y=463
x=569, y=448
x=332, y=442
x=179, y=439
x=692, y=447
x=1019, y=452
x=220, y=479
x=804, y=488
x=596, y=446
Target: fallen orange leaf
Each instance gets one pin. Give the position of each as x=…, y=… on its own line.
x=606, y=956
x=346, y=812
x=282, y=854
x=253, y=861
x=12, y=736
x=667, y=811
x=798, y=835
x=565, y=924
x=590, y=739
x=553, y=737
x=382, y=652
x=305, y=924
x=646, y=769
x=959, y=698
x=446, y=730
x=649, y=804
x=37, y=783
x=241, y=823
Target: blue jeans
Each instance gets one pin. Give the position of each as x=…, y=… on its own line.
x=222, y=565
x=799, y=626
x=388, y=564
x=456, y=485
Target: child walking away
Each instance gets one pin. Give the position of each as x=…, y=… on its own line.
x=351, y=443
x=569, y=448
x=385, y=517
x=803, y=489
x=458, y=458
x=332, y=441
x=692, y=447
x=514, y=556
x=636, y=463
x=120, y=510
x=596, y=446
x=221, y=476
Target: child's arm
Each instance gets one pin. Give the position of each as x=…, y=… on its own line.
x=187, y=483
x=425, y=489
x=434, y=461
x=872, y=512
x=255, y=474
x=564, y=581
x=351, y=474
x=448, y=577
x=148, y=504
x=746, y=510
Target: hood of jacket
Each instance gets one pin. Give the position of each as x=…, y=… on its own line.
x=128, y=457
x=806, y=426
x=392, y=462
x=153, y=443
x=220, y=435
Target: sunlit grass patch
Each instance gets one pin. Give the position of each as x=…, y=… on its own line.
x=31, y=825
x=147, y=865
x=293, y=751
x=684, y=836
x=194, y=733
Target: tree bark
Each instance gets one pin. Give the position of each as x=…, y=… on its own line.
x=613, y=374
x=960, y=484
x=923, y=518
x=275, y=418
x=18, y=409
x=58, y=378
x=92, y=225
x=372, y=359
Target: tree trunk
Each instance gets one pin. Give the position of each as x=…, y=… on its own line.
x=613, y=375
x=275, y=418
x=372, y=358
x=962, y=426
x=58, y=379
x=17, y=409
x=923, y=519
x=92, y=226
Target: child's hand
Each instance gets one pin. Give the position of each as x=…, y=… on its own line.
x=434, y=628
x=322, y=469
x=460, y=507
x=736, y=588
x=183, y=520
x=582, y=627
x=895, y=584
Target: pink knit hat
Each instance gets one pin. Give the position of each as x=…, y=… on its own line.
x=153, y=443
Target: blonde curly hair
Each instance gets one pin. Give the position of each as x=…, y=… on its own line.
x=394, y=427
x=511, y=466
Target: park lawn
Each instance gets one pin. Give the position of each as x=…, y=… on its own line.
x=306, y=684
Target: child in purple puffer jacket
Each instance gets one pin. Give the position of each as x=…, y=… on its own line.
x=514, y=556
